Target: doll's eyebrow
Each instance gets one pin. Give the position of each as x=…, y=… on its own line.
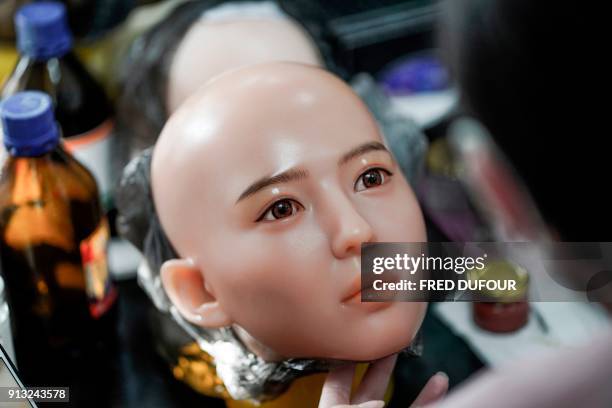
x=361, y=149
x=284, y=177
x=299, y=174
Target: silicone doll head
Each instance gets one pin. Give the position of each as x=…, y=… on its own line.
x=230, y=37
x=196, y=41
x=266, y=182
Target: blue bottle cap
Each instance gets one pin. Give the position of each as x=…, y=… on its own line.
x=42, y=30
x=28, y=124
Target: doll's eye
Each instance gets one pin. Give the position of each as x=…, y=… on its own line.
x=281, y=209
x=372, y=178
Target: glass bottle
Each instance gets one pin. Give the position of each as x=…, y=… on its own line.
x=6, y=336
x=46, y=63
x=53, y=237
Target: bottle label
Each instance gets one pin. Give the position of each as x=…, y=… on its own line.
x=94, y=150
x=98, y=285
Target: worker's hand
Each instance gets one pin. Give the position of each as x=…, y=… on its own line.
x=337, y=388
x=565, y=378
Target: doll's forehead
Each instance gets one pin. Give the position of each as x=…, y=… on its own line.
x=246, y=125
x=254, y=122
x=267, y=112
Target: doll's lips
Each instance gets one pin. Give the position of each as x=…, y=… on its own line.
x=354, y=298
x=354, y=290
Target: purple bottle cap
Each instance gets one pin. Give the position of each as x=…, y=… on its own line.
x=415, y=75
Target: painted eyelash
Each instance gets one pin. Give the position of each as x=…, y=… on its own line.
x=269, y=208
x=387, y=172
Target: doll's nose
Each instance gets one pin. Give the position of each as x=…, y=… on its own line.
x=350, y=229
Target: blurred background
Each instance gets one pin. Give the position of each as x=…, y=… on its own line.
x=486, y=105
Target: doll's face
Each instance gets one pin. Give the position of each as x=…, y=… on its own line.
x=269, y=179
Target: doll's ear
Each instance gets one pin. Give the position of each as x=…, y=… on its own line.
x=185, y=286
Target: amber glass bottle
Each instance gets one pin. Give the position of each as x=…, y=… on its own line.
x=53, y=237
x=46, y=63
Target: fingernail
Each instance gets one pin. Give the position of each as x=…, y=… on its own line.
x=442, y=374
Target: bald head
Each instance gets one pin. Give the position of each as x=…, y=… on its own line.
x=269, y=179
x=212, y=47
x=253, y=121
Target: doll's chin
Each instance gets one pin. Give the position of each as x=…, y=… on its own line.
x=377, y=351
x=366, y=355
x=374, y=336
x=369, y=350
x=383, y=337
